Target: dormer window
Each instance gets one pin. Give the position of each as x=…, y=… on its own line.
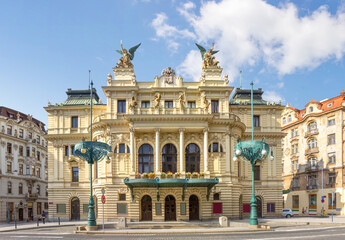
x=290, y=119
x=329, y=104
x=284, y=120
x=311, y=109
x=303, y=114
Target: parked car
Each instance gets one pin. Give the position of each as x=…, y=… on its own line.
x=287, y=212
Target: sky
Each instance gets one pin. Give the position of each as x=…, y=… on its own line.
x=293, y=50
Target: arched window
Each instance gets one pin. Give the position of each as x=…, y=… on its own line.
x=20, y=188
x=311, y=109
x=312, y=126
x=9, y=187
x=169, y=158
x=146, y=159
x=312, y=143
x=192, y=158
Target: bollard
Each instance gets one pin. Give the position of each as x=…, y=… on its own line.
x=59, y=220
x=15, y=224
x=38, y=223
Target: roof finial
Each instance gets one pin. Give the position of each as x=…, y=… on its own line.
x=240, y=79
x=342, y=92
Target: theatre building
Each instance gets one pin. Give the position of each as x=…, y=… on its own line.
x=172, y=149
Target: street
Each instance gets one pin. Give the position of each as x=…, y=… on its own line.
x=281, y=232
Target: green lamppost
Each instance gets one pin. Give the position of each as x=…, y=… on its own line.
x=253, y=152
x=91, y=152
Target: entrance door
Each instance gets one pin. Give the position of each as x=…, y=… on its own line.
x=20, y=214
x=170, y=208
x=75, y=209
x=193, y=208
x=259, y=206
x=146, y=208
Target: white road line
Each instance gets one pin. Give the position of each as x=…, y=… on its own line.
x=26, y=236
x=304, y=237
x=305, y=229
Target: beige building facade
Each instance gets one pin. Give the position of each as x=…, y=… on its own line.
x=23, y=165
x=313, y=160
x=172, y=149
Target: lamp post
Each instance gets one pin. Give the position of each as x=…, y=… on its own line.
x=7, y=203
x=91, y=152
x=253, y=152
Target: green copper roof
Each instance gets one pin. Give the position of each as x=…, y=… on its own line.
x=242, y=96
x=81, y=97
x=70, y=102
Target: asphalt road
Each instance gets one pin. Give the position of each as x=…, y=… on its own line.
x=281, y=233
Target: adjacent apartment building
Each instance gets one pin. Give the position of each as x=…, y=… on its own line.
x=313, y=157
x=172, y=149
x=23, y=166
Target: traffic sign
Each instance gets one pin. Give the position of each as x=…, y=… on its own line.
x=103, y=199
x=50, y=202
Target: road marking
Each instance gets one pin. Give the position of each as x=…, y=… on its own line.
x=304, y=237
x=304, y=229
x=25, y=236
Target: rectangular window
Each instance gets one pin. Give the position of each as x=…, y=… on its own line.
x=66, y=151
x=9, y=148
x=21, y=169
x=331, y=178
x=9, y=130
x=20, y=188
x=75, y=174
x=61, y=208
x=21, y=133
x=214, y=147
x=74, y=121
x=256, y=121
x=38, y=172
x=28, y=151
x=331, y=157
x=330, y=201
x=38, y=140
x=168, y=104
x=121, y=106
x=312, y=201
x=122, y=148
x=21, y=151
x=331, y=139
x=214, y=106
x=9, y=167
x=256, y=172
x=217, y=208
x=122, y=208
x=85, y=208
x=46, y=205
x=33, y=152
x=145, y=104
x=122, y=197
x=73, y=150
x=191, y=104
x=39, y=208
x=30, y=135
x=331, y=122
x=295, y=201
x=271, y=207
x=27, y=169
x=38, y=156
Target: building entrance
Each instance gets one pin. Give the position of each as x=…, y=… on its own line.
x=75, y=209
x=20, y=214
x=170, y=209
x=146, y=208
x=193, y=208
x=259, y=206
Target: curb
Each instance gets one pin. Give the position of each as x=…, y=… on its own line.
x=28, y=228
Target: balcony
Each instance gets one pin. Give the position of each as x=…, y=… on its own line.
x=311, y=133
x=295, y=188
x=330, y=185
x=311, y=187
x=311, y=150
x=31, y=196
x=311, y=168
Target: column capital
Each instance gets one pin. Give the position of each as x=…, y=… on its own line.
x=157, y=129
x=205, y=129
x=131, y=129
x=228, y=133
x=181, y=130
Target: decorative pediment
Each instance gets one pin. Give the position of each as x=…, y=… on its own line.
x=168, y=78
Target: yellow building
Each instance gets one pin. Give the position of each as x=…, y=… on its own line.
x=313, y=158
x=172, y=149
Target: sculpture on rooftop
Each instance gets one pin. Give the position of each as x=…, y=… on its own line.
x=127, y=56
x=209, y=60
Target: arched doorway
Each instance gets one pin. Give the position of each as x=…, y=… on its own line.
x=259, y=206
x=169, y=158
x=170, y=208
x=192, y=155
x=146, y=208
x=193, y=208
x=75, y=209
x=21, y=214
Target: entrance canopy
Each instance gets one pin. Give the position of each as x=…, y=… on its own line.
x=171, y=182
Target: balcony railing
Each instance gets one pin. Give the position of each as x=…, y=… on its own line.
x=311, y=150
x=311, y=187
x=311, y=132
x=312, y=168
x=31, y=196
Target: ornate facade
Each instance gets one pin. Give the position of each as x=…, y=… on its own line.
x=313, y=159
x=172, y=149
x=23, y=164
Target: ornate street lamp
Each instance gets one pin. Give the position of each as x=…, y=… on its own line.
x=253, y=152
x=91, y=152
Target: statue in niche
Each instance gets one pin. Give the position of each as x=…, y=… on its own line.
x=206, y=103
x=133, y=104
x=157, y=100
x=208, y=60
x=127, y=56
x=181, y=100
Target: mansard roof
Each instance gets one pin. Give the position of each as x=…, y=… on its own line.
x=81, y=97
x=242, y=96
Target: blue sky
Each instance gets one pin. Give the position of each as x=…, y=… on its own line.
x=294, y=50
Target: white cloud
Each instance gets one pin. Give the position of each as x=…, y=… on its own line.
x=251, y=32
x=272, y=96
x=191, y=66
x=280, y=85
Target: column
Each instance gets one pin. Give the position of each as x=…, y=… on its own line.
x=61, y=162
x=227, y=152
x=131, y=136
x=56, y=160
x=232, y=147
x=182, y=159
x=205, y=150
x=157, y=151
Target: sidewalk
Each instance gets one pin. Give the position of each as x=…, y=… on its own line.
x=8, y=227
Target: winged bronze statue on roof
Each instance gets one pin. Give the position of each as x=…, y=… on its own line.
x=127, y=56
x=208, y=60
